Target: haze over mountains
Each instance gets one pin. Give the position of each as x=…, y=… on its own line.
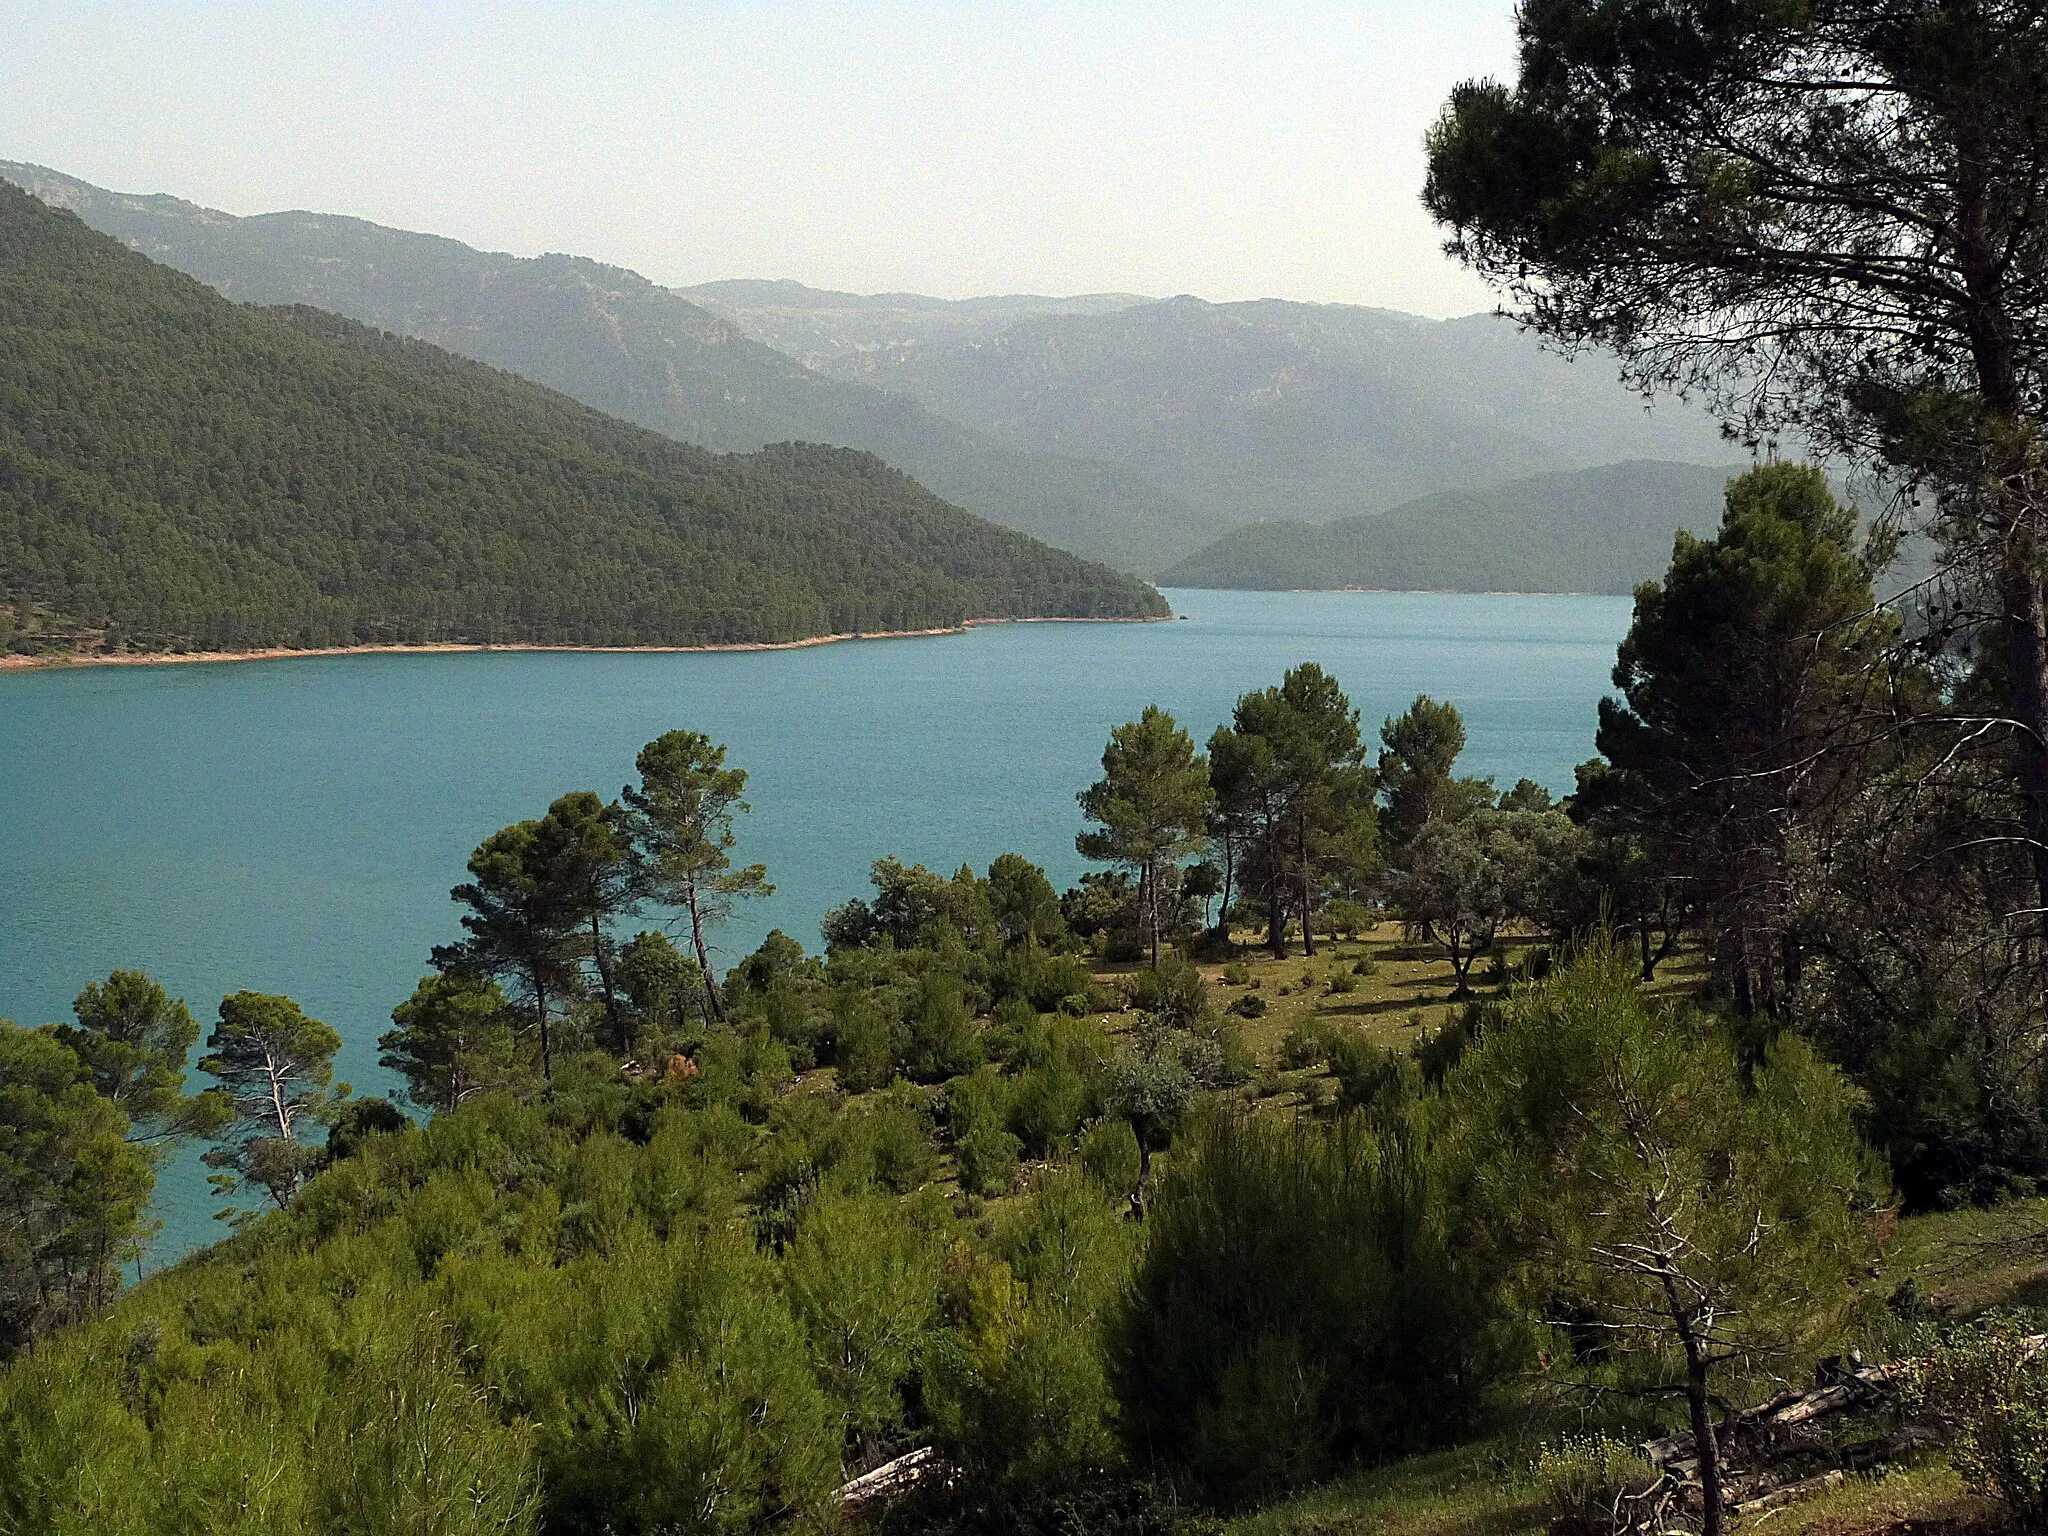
x=1252, y=411
x=1128, y=429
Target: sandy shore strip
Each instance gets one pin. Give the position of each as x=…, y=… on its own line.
x=437, y=648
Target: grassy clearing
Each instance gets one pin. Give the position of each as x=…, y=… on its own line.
x=1960, y=1263
x=1475, y=1490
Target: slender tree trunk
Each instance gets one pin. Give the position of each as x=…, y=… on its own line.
x=1308, y=886
x=604, y=980
x=2026, y=647
x=540, y=1000
x=1705, y=1443
x=1229, y=874
x=711, y=997
x=1148, y=901
x=1276, y=920
x=1649, y=963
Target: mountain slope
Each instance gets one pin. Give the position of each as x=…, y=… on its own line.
x=616, y=341
x=1262, y=410
x=177, y=470
x=1597, y=530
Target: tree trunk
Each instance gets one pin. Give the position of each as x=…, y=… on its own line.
x=1308, y=932
x=1649, y=963
x=1276, y=921
x=540, y=1000
x=604, y=980
x=2026, y=647
x=1148, y=900
x=1704, y=1442
x=1229, y=873
x=703, y=958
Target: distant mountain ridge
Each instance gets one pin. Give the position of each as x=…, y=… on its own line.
x=1261, y=410
x=1129, y=429
x=1594, y=530
x=181, y=472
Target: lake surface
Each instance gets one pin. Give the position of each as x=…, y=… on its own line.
x=294, y=826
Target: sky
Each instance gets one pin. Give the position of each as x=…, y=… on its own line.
x=1242, y=151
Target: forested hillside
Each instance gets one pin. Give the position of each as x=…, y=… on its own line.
x=180, y=471
x=614, y=340
x=1594, y=530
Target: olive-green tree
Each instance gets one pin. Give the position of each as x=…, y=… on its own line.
x=135, y=1038
x=590, y=863
x=1418, y=760
x=1026, y=907
x=538, y=896
x=1617, y=1162
x=277, y=1066
x=1741, y=672
x=1150, y=809
x=1821, y=216
x=681, y=821
x=451, y=1040
x=74, y=1190
x=1295, y=796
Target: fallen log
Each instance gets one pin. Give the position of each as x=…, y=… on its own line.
x=893, y=1479
x=1867, y=1387
x=1791, y=1493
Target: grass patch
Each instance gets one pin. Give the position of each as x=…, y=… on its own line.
x=1475, y=1490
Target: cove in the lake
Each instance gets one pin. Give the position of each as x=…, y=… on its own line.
x=294, y=826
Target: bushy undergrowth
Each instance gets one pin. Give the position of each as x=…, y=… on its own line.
x=1989, y=1384
x=1297, y=1308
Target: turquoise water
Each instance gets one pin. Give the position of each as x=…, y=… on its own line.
x=294, y=826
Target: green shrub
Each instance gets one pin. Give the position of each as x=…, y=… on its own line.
x=1048, y=1102
x=863, y=1278
x=987, y=1156
x=1021, y=1400
x=1101, y=998
x=1303, y=1047
x=1343, y=982
x=1219, y=1055
x=980, y=1098
x=864, y=1040
x=1989, y=1385
x=1237, y=974
x=1585, y=1478
x=1368, y=1077
x=1349, y=918
x=1365, y=965
x=1110, y=1156
x=901, y=1139
x=1174, y=992
x=943, y=1041
x=1296, y=1309
x=1250, y=1006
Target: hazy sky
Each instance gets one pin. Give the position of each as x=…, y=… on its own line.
x=1236, y=151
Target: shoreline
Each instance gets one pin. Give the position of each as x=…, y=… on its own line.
x=462, y=647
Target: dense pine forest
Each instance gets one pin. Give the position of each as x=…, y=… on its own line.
x=179, y=472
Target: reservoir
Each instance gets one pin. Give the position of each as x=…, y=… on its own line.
x=294, y=826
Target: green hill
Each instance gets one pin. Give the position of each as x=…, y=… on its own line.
x=180, y=471
x=1591, y=530
x=646, y=354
